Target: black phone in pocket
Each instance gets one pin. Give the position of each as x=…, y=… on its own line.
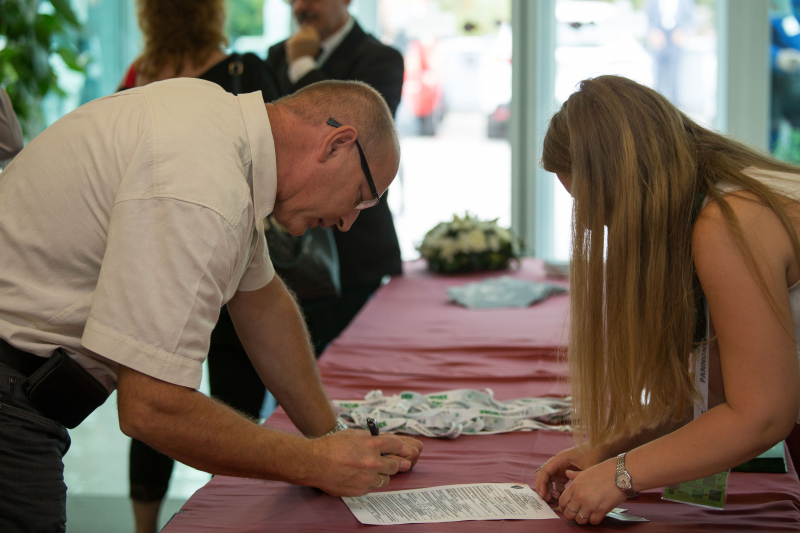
x=65, y=391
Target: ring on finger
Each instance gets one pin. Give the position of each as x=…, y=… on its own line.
x=581, y=515
x=575, y=511
x=383, y=480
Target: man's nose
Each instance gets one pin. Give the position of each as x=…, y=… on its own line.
x=344, y=223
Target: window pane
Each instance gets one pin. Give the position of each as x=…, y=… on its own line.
x=670, y=45
x=453, y=118
x=110, y=38
x=785, y=63
x=255, y=25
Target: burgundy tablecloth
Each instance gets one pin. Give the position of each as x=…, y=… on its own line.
x=410, y=338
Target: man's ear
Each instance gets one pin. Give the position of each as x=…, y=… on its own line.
x=336, y=142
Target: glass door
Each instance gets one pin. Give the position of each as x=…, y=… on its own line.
x=670, y=45
x=454, y=116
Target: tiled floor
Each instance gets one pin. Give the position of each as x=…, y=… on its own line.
x=109, y=514
x=96, y=473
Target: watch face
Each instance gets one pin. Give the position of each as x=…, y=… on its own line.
x=623, y=481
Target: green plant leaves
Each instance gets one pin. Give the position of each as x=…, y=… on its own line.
x=62, y=8
x=71, y=59
x=31, y=38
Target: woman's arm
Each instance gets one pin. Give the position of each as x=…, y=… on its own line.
x=551, y=479
x=759, y=362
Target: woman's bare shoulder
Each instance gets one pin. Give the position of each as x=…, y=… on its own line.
x=714, y=239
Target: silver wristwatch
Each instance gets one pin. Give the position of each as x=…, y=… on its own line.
x=623, y=478
x=338, y=427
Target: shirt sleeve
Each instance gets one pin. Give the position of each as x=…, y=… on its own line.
x=10, y=130
x=300, y=67
x=166, y=269
x=260, y=271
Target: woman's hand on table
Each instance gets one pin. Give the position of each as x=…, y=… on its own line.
x=551, y=477
x=592, y=494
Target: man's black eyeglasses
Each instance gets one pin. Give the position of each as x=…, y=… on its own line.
x=365, y=167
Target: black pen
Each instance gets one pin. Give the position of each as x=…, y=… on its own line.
x=373, y=429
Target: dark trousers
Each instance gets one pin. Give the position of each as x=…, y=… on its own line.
x=232, y=380
x=33, y=496
x=326, y=319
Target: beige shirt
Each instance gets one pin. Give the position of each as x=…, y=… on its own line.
x=127, y=224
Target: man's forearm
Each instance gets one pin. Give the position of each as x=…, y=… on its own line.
x=273, y=333
x=209, y=436
x=206, y=434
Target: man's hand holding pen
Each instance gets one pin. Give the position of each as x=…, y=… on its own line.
x=352, y=462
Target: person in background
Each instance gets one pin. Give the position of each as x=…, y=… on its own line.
x=331, y=45
x=125, y=227
x=693, y=219
x=185, y=38
x=10, y=130
x=668, y=23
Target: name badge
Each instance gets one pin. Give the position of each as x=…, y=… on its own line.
x=707, y=492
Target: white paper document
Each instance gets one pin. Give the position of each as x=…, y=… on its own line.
x=450, y=503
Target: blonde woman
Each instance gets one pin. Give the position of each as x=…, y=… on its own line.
x=691, y=217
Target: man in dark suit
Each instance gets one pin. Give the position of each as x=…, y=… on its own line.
x=331, y=45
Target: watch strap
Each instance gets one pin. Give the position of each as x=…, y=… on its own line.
x=338, y=427
x=629, y=492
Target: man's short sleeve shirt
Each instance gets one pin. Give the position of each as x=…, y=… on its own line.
x=131, y=221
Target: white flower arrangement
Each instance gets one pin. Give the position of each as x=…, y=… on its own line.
x=468, y=244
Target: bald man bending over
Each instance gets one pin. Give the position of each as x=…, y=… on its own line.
x=125, y=227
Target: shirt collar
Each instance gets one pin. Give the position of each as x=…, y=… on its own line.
x=331, y=43
x=264, y=165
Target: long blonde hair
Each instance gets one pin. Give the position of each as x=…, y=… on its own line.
x=638, y=165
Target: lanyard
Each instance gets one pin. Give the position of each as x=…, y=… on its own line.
x=455, y=412
x=709, y=491
x=701, y=366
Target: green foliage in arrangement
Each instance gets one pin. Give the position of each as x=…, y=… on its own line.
x=30, y=33
x=468, y=245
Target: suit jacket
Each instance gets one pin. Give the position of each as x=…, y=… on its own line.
x=370, y=249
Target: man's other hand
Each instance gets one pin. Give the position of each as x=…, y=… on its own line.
x=412, y=450
x=349, y=463
x=303, y=43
